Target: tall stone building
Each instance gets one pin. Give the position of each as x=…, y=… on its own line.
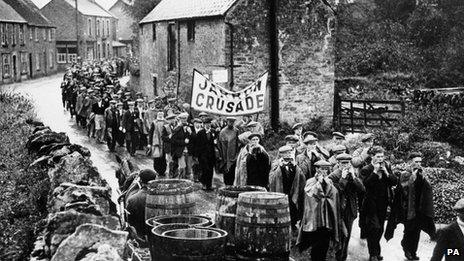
x=96, y=30
x=208, y=35
x=27, y=42
x=124, y=32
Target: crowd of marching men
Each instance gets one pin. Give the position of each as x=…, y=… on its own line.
x=328, y=187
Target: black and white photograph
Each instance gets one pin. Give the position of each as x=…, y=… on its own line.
x=231, y=130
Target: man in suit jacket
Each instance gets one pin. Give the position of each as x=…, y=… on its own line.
x=111, y=118
x=179, y=140
x=378, y=180
x=450, y=241
x=193, y=147
x=206, y=153
x=309, y=157
x=128, y=127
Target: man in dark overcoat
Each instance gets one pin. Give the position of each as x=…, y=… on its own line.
x=206, y=138
x=128, y=127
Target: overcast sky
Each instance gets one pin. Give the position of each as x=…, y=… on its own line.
x=104, y=3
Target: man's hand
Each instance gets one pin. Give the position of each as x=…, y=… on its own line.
x=345, y=173
x=377, y=168
x=187, y=141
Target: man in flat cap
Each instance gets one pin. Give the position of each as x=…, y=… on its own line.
x=228, y=149
x=112, y=125
x=450, y=241
x=255, y=127
x=129, y=128
x=413, y=206
x=321, y=150
x=309, y=157
x=292, y=140
x=320, y=223
x=338, y=138
x=348, y=185
x=156, y=143
x=180, y=138
x=205, y=152
x=98, y=109
x=360, y=155
x=286, y=177
x=378, y=179
x=336, y=150
x=241, y=124
x=171, y=107
x=167, y=144
x=193, y=149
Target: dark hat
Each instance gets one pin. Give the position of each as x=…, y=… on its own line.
x=459, y=206
x=146, y=175
x=310, y=133
x=254, y=134
x=367, y=137
x=322, y=163
x=293, y=138
x=415, y=154
x=171, y=116
x=343, y=156
x=197, y=120
x=208, y=120
x=297, y=125
x=338, y=134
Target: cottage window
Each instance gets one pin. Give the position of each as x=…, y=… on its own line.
x=72, y=57
x=51, y=57
x=36, y=34
x=44, y=34
x=154, y=31
x=171, y=47
x=108, y=48
x=24, y=67
x=49, y=34
x=30, y=33
x=13, y=33
x=3, y=34
x=37, y=61
x=108, y=27
x=191, y=31
x=21, y=34
x=6, y=65
x=89, y=25
x=98, y=27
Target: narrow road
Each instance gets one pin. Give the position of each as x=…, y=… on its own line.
x=46, y=94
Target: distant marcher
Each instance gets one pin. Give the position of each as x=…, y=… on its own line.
x=98, y=109
x=228, y=150
x=450, y=241
x=321, y=219
x=194, y=148
x=412, y=206
x=179, y=141
x=286, y=177
x=241, y=124
x=348, y=185
x=378, y=180
x=112, y=125
x=129, y=128
x=255, y=127
x=167, y=135
x=338, y=138
x=336, y=150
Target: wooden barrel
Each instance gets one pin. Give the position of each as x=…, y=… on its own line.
x=182, y=242
x=226, y=209
x=169, y=197
x=193, y=220
x=263, y=226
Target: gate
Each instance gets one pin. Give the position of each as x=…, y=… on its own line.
x=352, y=115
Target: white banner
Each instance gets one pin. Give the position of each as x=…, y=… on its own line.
x=209, y=97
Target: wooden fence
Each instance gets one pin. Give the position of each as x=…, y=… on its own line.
x=353, y=115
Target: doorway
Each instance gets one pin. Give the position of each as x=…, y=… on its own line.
x=30, y=65
x=15, y=69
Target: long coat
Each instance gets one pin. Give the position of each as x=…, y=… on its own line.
x=321, y=209
x=155, y=135
x=450, y=237
x=297, y=190
x=258, y=166
x=205, y=147
x=178, y=141
x=228, y=148
x=377, y=198
x=348, y=189
x=306, y=163
x=128, y=122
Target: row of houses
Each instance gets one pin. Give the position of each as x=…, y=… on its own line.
x=37, y=42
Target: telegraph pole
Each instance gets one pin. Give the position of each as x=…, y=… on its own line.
x=77, y=31
x=273, y=62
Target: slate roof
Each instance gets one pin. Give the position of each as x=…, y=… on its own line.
x=186, y=9
x=87, y=7
x=30, y=12
x=8, y=14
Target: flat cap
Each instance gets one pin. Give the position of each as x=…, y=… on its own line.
x=120, y=92
x=109, y=86
x=310, y=133
x=339, y=148
x=252, y=124
x=172, y=99
x=309, y=138
x=230, y=118
x=367, y=137
x=293, y=138
x=297, y=125
x=415, y=154
x=171, y=116
x=151, y=101
x=344, y=156
x=197, y=120
x=285, y=149
x=338, y=134
x=113, y=102
x=130, y=103
x=322, y=163
x=139, y=100
x=119, y=104
x=183, y=115
x=208, y=120
x=202, y=114
x=254, y=134
x=138, y=93
x=459, y=206
x=127, y=93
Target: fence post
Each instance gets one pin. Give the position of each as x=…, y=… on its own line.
x=351, y=116
x=365, y=114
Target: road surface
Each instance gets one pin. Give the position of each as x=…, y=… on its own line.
x=46, y=94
